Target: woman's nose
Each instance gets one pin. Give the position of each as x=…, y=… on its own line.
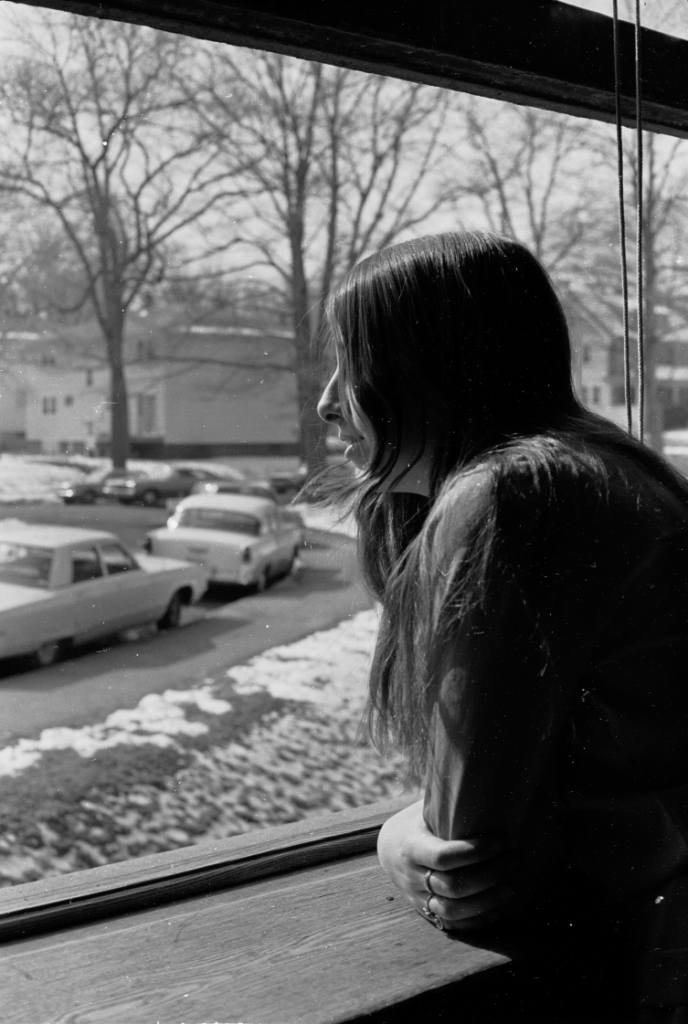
x=329, y=408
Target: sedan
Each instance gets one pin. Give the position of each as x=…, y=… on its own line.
x=158, y=483
x=238, y=538
x=61, y=586
x=85, y=491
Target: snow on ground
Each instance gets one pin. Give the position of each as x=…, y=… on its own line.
x=25, y=481
x=268, y=742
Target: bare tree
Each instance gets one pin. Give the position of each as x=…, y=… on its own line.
x=100, y=133
x=665, y=236
x=341, y=165
x=550, y=180
x=525, y=173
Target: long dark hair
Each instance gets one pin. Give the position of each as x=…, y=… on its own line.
x=457, y=342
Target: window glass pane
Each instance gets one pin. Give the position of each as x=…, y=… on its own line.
x=226, y=247
x=85, y=565
x=24, y=565
x=116, y=559
x=214, y=519
x=667, y=16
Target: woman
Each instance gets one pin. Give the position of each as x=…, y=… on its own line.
x=531, y=561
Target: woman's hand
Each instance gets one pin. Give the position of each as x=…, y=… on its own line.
x=466, y=875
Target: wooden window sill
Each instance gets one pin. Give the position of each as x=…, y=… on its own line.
x=295, y=924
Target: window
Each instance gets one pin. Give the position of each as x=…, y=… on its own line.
x=145, y=351
x=85, y=565
x=619, y=394
x=146, y=413
x=69, y=400
x=596, y=395
x=89, y=378
x=116, y=559
x=49, y=406
x=219, y=519
x=25, y=565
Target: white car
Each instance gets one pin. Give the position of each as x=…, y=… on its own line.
x=61, y=586
x=238, y=538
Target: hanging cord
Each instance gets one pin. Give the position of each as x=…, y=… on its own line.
x=622, y=222
x=640, y=284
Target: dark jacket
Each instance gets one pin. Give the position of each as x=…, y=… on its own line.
x=561, y=719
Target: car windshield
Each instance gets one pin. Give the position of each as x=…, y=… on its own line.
x=24, y=565
x=220, y=519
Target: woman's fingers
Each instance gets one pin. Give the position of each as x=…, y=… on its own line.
x=455, y=913
x=405, y=836
x=443, y=855
x=465, y=882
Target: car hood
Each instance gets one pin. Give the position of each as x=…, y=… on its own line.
x=14, y=596
x=193, y=535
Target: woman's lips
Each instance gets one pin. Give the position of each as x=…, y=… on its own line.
x=355, y=452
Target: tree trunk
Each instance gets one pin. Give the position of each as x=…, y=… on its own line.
x=309, y=384
x=119, y=415
x=653, y=417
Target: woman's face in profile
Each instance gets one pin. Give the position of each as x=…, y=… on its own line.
x=338, y=405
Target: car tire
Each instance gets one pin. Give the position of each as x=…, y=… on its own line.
x=47, y=653
x=150, y=498
x=292, y=562
x=88, y=498
x=173, y=613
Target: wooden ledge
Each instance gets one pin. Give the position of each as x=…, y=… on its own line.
x=72, y=899
x=324, y=944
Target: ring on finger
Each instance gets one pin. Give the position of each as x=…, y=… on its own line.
x=430, y=916
x=426, y=882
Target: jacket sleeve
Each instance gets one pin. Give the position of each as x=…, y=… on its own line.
x=504, y=674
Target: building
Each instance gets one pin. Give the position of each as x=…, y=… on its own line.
x=195, y=391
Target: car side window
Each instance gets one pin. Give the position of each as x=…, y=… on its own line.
x=116, y=559
x=85, y=565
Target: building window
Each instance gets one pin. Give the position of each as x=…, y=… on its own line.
x=69, y=400
x=586, y=354
x=89, y=378
x=49, y=406
x=596, y=395
x=584, y=395
x=618, y=395
x=146, y=413
x=47, y=359
x=144, y=351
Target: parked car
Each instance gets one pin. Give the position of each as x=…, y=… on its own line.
x=158, y=483
x=87, y=490
x=61, y=586
x=288, y=483
x=259, y=488
x=238, y=538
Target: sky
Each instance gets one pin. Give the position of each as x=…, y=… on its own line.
x=670, y=16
